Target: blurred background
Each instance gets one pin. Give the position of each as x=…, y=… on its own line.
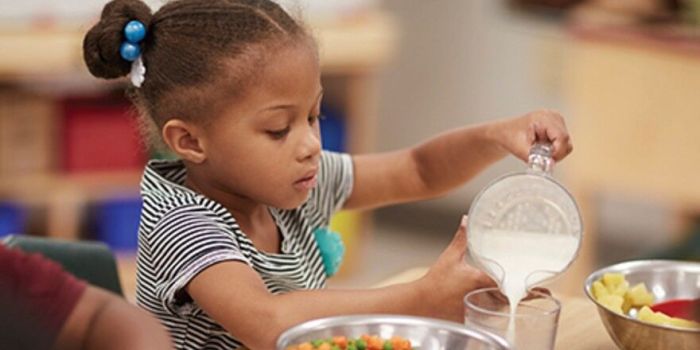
x=625, y=73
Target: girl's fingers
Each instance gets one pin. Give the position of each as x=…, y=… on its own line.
x=559, y=137
x=562, y=146
x=534, y=293
x=498, y=297
x=551, y=131
x=537, y=292
x=459, y=242
x=541, y=133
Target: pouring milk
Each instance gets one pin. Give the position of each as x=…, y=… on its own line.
x=524, y=228
x=522, y=259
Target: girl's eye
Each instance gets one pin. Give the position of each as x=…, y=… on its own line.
x=314, y=118
x=278, y=134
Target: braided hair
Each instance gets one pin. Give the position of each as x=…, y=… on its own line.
x=198, y=53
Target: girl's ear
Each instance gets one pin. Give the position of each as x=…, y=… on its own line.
x=185, y=139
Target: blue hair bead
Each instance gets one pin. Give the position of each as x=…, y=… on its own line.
x=129, y=51
x=332, y=249
x=134, y=31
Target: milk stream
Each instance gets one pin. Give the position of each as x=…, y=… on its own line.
x=522, y=259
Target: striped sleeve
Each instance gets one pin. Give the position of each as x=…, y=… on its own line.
x=335, y=181
x=186, y=241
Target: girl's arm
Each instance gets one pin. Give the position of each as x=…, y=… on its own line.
x=450, y=159
x=235, y=296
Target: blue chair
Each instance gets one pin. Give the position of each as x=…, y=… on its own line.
x=12, y=218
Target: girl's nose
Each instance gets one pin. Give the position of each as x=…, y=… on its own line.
x=310, y=145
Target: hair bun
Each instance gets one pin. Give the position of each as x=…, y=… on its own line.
x=101, y=43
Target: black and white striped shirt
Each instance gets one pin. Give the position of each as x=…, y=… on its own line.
x=182, y=233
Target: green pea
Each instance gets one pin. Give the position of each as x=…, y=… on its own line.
x=317, y=342
x=361, y=344
x=388, y=346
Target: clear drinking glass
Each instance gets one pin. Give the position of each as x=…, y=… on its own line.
x=536, y=318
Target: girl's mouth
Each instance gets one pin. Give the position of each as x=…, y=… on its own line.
x=306, y=183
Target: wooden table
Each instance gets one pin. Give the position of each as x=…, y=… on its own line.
x=580, y=327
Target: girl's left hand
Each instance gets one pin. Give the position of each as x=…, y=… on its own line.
x=517, y=135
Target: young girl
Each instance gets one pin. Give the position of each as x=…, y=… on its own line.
x=227, y=254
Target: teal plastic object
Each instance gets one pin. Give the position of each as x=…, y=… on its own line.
x=332, y=249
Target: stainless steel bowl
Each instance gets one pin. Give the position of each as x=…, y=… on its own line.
x=667, y=280
x=424, y=333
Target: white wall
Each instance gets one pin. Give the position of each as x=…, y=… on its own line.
x=462, y=62
x=468, y=61
x=67, y=13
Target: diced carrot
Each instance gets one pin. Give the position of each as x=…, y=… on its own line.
x=375, y=343
x=306, y=346
x=365, y=342
x=400, y=343
x=341, y=341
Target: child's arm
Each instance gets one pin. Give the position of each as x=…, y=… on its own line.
x=235, y=296
x=450, y=159
x=103, y=321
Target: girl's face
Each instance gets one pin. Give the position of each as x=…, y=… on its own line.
x=266, y=147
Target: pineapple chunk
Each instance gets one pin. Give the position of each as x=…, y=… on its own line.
x=621, y=289
x=639, y=296
x=612, y=302
x=613, y=292
x=659, y=318
x=615, y=283
x=626, y=305
x=645, y=314
x=613, y=279
x=599, y=290
x=683, y=323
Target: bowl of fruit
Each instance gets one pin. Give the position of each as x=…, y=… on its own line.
x=649, y=304
x=386, y=332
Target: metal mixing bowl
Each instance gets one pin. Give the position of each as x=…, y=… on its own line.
x=424, y=333
x=667, y=280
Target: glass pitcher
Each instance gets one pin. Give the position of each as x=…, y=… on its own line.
x=525, y=224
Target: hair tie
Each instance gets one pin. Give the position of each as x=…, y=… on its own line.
x=130, y=50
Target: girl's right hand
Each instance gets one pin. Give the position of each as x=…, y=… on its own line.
x=450, y=279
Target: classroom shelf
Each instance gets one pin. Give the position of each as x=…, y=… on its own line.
x=35, y=61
